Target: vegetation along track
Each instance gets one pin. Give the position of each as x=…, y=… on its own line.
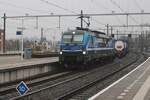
x=66, y=88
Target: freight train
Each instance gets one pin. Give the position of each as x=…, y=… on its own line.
x=121, y=48
x=83, y=46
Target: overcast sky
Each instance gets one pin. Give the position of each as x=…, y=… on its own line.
x=20, y=7
x=40, y=7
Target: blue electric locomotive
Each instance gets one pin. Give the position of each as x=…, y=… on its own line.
x=82, y=46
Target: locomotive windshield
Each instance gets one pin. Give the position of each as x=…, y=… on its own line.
x=72, y=38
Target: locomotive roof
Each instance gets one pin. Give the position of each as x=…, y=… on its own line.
x=89, y=30
x=76, y=32
x=82, y=30
x=98, y=34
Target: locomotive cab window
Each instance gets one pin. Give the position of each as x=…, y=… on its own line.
x=78, y=38
x=67, y=38
x=72, y=38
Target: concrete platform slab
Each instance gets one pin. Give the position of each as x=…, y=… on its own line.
x=12, y=68
x=133, y=86
x=7, y=62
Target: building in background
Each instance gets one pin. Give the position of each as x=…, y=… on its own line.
x=1, y=40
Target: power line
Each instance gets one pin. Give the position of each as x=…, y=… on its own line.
x=66, y=9
x=53, y=4
x=142, y=25
x=113, y=2
x=102, y=6
x=11, y=11
x=133, y=19
x=16, y=6
x=117, y=17
x=138, y=5
x=97, y=21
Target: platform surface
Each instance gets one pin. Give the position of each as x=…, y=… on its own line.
x=7, y=62
x=133, y=86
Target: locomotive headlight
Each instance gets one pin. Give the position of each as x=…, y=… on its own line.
x=84, y=52
x=60, y=52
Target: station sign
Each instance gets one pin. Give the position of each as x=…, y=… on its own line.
x=19, y=33
x=22, y=88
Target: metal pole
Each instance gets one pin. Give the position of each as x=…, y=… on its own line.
x=81, y=19
x=142, y=41
x=117, y=34
x=111, y=30
x=59, y=26
x=59, y=23
x=4, y=33
x=127, y=20
x=37, y=22
x=146, y=41
x=22, y=51
x=107, y=29
x=42, y=34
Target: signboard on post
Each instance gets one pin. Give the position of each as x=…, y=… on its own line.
x=19, y=33
x=22, y=88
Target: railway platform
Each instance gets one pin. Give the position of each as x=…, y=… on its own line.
x=133, y=86
x=12, y=68
x=7, y=62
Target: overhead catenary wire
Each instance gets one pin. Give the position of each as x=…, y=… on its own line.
x=2, y=11
x=140, y=8
x=22, y=7
x=98, y=22
x=55, y=5
x=65, y=9
x=117, y=5
x=113, y=2
x=102, y=6
x=138, y=5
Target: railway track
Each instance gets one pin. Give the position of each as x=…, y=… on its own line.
x=34, y=84
x=7, y=92
x=86, y=92
x=70, y=86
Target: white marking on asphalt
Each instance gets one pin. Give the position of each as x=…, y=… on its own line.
x=104, y=90
x=123, y=94
x=126, y=91
x=143, y=90
x=120, y=97
x=128, y=88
